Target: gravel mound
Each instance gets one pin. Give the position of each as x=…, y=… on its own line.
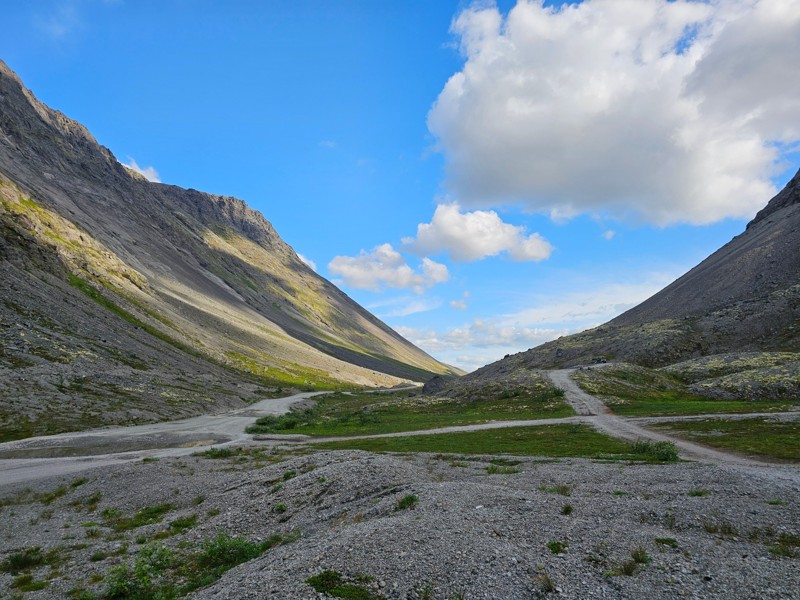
x=433, y=526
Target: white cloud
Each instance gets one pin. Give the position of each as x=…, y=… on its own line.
x=484, y=340
x=609, y=234
x=476, y=235
x=148, y=173
x=309, y=263
x=664, y=111
x=404, y=306
x=459, y=304
x=61, y=22
x=384, y=266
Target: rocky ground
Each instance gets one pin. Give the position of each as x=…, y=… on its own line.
x=420, y=526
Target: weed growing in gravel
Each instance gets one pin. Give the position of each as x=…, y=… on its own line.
x=566, y=509
x=333, y=583
x=787, y=545
x=162, y=573
x=557, y=547
x=496, y=470
x=280, y=508
x=545, y=583
x=699, y=493
x=407, y=501
x=87, y=503
x=640, y=555
x=29, y=558
x=776, y=502
x=145, y=516
x=723, y=527
x=562, y=489
x=666, y=541
x=26, y=583
x=289, y=475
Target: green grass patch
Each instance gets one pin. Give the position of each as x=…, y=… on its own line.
x=635, y=391
x=334, y=584
x=545, y=440
x=756, y=436
x=146, y=516
x=161, y=573
x=343, y=414
x=406, y=502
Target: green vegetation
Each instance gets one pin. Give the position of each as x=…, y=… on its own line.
x=667, y=541
x=657, y=451
x=566, y=510
x=161, y=573
x=407, y=501
x=557, y=547
x=699, y=493
x=343, y=414
x=757, y=436
x=561, y=488
x=146, y=516
x=333, y=583
x=546, y=440
x=635, y=391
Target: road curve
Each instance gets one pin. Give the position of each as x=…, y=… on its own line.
x=64, y=453
x=599, y=415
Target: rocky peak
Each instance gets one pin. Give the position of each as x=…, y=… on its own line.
x=788, y=196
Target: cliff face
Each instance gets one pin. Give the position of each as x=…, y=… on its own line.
x=744, y=297
x=111, y=280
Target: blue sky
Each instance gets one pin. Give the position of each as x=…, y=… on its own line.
x=483, y=177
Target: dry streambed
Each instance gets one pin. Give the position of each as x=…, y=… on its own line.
x=415, y=526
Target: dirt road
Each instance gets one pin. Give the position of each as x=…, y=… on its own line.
x=599, y=415
x=38, y=457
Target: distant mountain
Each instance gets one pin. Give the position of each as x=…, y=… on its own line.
x=125, y=300
x=744, y=297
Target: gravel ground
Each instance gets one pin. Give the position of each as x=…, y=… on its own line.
x=471, y=534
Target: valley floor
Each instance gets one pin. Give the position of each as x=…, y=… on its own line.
x=411, y=525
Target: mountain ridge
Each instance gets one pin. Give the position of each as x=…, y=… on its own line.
x=744, y=297
x=196, y=273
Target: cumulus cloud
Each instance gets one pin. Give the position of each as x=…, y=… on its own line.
x=148, y=173
x=476, y=235
x=385, y=267
x=661, y=111
x=309, y=263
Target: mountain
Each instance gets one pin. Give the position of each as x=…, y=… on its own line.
x=743, y=298
x=125, y=300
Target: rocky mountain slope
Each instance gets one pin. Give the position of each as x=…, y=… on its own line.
x=743, y=298
x=125, y=300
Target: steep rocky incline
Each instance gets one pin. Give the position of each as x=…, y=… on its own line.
x=142, y=292
x=743, y=298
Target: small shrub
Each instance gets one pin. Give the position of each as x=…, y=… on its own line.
x=325, y=581
x=656, y=451
x=289, y=475
x=699, y=493
x=562, y=489
x=280, y=508
x=566, y=509
x=671, y=542
x=25, y=583
x=627, y=568
x=23, y=560
x=640, y=555
x=183, y=523
x=557, y=547
x=407, y=501
x=776, y=502
x=545, y=583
